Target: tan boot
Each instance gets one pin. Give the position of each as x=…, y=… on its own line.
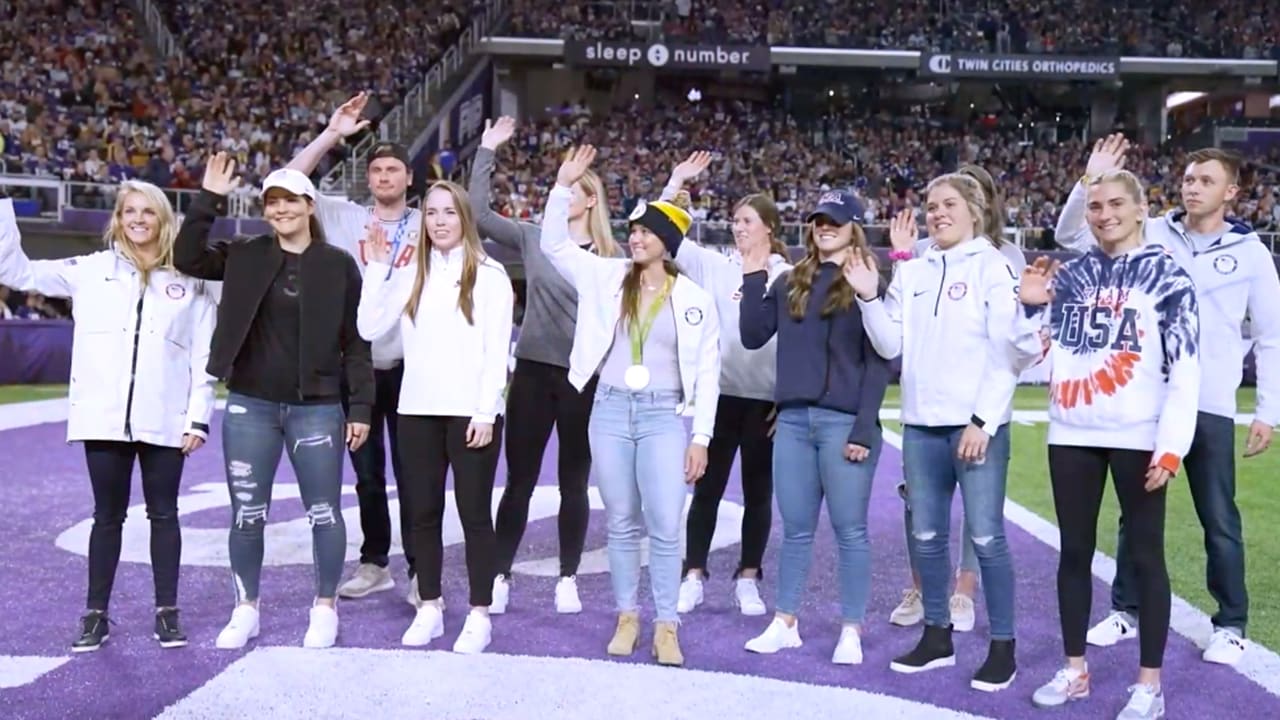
x=666, y=646
x=626, y=635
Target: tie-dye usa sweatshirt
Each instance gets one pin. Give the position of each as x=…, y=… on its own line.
x=1122, y=335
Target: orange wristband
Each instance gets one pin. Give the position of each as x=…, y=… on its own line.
x=1168, y=461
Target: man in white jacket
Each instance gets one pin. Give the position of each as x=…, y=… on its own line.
x=1235, y=278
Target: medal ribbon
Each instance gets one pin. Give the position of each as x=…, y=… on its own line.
x=640, y=327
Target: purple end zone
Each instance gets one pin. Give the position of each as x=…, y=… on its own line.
x=42, y=590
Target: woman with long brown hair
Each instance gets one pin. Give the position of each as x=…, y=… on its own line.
x=654, y=337
x=541, y=396
x=139, y=391
x=454, y=310
x=830, y=385
x=745, y=413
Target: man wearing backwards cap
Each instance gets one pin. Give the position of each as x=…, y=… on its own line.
x=345, y=223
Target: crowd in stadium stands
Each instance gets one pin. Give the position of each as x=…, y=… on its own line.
x=83, y=96
x=886, y=161
x=1177, y=28
x=31, y=306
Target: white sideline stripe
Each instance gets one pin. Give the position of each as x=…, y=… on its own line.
x=19, y=670
x=1026, y=417
x=1260, y=664
x=284, y=683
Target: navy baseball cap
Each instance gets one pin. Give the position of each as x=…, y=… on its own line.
x=390, y=150
x=840, y=206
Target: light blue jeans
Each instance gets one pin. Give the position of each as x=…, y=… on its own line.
x=638, y=444
x=809, y=465
x=933, y=471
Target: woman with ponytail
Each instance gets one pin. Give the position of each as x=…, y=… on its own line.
x=454, y=310
x=541, y=396
x=904, y=236
x=745, y=413
x=654, y=337
x=830, y=385
x=286, y=337
x=139, y=391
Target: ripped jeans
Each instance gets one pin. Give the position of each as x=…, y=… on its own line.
x=253, y=434
x=933, y=472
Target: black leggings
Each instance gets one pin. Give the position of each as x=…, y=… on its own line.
x=111, y=474
x=429, y=447
x=1079, y=475
x=740, y=423
x=541, y=396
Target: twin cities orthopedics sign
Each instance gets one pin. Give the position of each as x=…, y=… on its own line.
x=660, y=56
x=1026, y=67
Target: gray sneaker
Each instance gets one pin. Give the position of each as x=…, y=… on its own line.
x=366, y=580
x=1145, y=703
x=1067, y=685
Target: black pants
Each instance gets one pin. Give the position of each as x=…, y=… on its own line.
x=111, y=474
x=1079, y=476
x=430, y=447
x=740, y=423
x=370, y=464
x=539, y=397
x=1211, y=477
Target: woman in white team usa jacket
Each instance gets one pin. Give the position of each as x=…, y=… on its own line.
x=1123, y=331
x=904, y=237
x=654, y=336
x=454, y=310
x=949, y=314
x=138, y=390
x=746, y=411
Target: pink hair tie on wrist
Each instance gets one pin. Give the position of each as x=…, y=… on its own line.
x=900, y=255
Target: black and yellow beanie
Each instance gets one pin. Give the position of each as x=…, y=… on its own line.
x=666, y=220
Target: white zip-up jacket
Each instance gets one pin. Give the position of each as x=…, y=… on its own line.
x=599, y=284
x=138, y=354
x=452, y=368
x=344, y=225
x=743, y=373
x=1123, y=348
x=1235, y=278
x=950, y=314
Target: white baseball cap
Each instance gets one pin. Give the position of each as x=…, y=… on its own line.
x=291, y=181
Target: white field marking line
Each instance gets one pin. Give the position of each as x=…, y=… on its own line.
x=1260, y=664
x=1026, y=417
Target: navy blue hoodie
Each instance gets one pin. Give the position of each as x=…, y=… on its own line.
x=825, y=362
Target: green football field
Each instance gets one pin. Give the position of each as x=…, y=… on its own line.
x=1029, y=486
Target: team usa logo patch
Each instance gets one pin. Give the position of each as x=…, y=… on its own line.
x=1225, y=264
x=693, y=316
x=175, y=291
x=957, y=290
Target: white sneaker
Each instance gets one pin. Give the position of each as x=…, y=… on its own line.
x=1116, y=627
x=746, y=595
x=1145, y=703
x=428, y=624
x=849, y=648
x=775, y=637
x=1225, y=648
x=502, y=595
x=476, y=634
x=690, y=593
x=962, y=617
x=366, y=580
x=567, y=600
x=323, y=630
x=412, y=596
x=910, y=611
x=1068, y=684
x=242, y=628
